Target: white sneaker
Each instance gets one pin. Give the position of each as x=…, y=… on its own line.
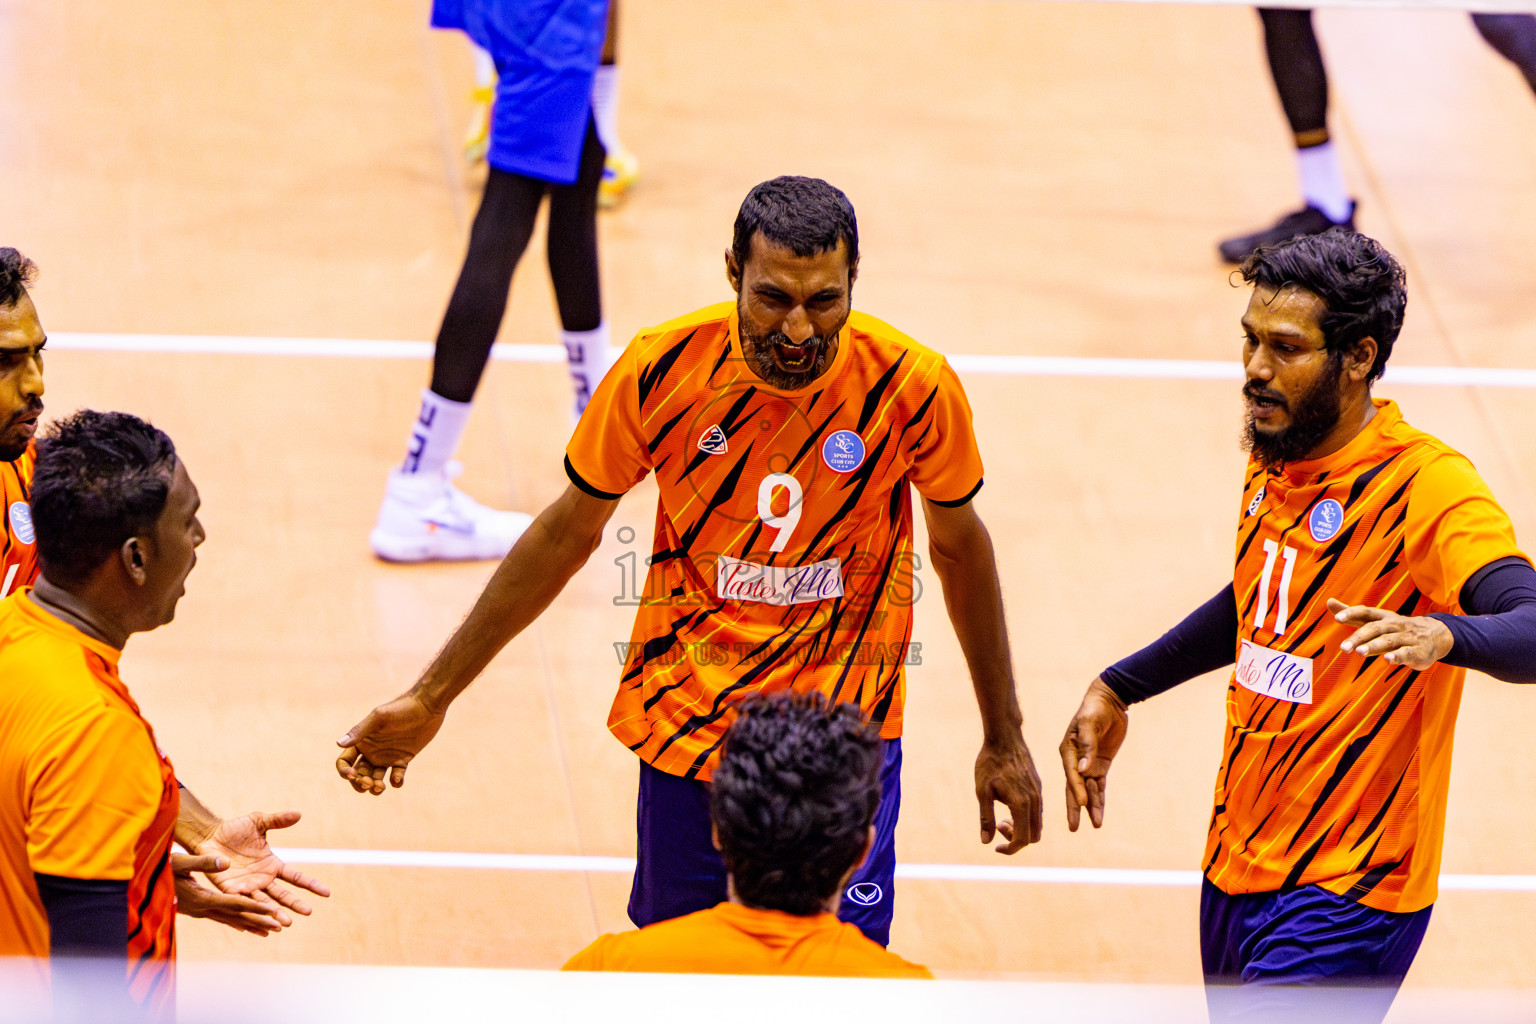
x=425, y=518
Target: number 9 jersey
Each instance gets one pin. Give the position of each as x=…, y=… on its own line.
x=783, y=554
x=1336, y=767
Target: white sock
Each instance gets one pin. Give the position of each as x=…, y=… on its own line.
x=485, y=67
x=605, y=106
x=586, y=353
x=1322, y=181
x=435, y=434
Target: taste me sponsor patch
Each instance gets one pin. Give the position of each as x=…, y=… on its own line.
x=739, y=580
x=1276, y=674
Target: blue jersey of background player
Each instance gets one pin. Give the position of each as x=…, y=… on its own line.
x=546, y=52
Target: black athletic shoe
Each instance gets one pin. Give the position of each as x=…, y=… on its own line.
x=1308, y=220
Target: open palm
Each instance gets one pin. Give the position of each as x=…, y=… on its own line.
x=254, y=869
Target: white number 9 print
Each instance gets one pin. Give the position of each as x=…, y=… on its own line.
x=786, y=523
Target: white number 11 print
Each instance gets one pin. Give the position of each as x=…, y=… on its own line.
x=1283, y=605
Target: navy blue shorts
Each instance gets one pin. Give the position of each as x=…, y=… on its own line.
x=1267, y=954
x=679, y=871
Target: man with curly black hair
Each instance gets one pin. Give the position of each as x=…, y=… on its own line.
x=793, y=805
x=1373, y=568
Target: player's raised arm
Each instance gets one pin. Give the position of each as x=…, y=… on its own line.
x=1205, y=641
x=537, y=568
x=962, y=556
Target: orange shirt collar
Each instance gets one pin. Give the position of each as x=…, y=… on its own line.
x=759, y=921
x=1359, y=447
x=50, y=623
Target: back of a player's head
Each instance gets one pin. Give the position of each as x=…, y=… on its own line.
x=793, y=799
x=16, y=274
x=101, y=478
x=1363, y=286
x=804, y=215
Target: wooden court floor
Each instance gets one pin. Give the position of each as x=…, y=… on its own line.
x=1031, y=178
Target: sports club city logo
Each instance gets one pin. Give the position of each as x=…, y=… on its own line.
x=714, y=441
x=1326, y=518
x=21, y=522
x=865, y=894
x=843, y=452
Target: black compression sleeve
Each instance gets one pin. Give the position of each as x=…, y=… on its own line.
x=1206, y=640
x=1498, y=635
x=86, y=917
x=88, y=946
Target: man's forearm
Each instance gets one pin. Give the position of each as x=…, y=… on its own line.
x=967, y=571
x=194, y=822
x=1205, y=641
x=528, y=579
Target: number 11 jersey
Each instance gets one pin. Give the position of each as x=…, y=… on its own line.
x=782, y=555
x=1335, y=766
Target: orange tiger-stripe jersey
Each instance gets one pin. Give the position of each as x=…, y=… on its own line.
x=84, y=793
x=18, y=548
x=782, y=555
x=1335, y=766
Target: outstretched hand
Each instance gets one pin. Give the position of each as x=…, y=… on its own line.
x=194, y=899
x=1091, y=743
x=251, y=867
x=1418, y=641
x=1005, y=773
x=386, y=740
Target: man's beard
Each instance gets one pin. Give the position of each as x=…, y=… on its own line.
x=1314, y=414
x=12, y=452
x=759, y=352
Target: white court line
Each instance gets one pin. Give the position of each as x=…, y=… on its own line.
x=1048, y=366
x=929, y=872
x=1005, y=365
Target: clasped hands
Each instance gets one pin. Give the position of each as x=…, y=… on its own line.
x=244, y=872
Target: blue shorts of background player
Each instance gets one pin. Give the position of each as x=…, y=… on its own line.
x=546, y=53
x=1303, y=954
x=678, y=870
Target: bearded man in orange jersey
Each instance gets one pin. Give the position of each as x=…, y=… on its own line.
x=1373, y=568
x=787, y=432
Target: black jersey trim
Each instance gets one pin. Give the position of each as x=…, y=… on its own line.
x=576, y=479
x=956, y=503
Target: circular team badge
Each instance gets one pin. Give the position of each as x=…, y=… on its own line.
x=21, y=523
x=1326, y=518
x=843, y=451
